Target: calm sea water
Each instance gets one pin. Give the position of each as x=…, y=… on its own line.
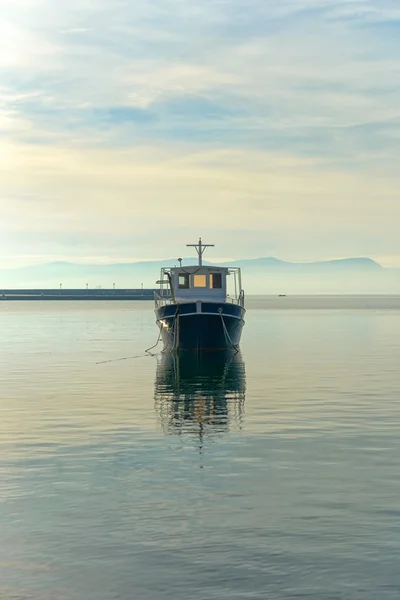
x=272, y=474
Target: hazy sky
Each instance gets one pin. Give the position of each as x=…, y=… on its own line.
x=128, y=128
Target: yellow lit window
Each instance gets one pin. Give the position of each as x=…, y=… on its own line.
x=199, y=281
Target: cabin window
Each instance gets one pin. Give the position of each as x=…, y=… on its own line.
x=216, y=280
x=199, y=280
x=183, y=281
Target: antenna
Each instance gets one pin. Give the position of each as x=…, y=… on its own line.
x=200, y=249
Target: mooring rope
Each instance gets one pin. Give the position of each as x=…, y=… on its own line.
x=146, y=353
x=227, y=336
x=156, y=344
x=101, y=362
x=175, y=342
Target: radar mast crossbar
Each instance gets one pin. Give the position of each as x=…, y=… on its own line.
x=200, y=247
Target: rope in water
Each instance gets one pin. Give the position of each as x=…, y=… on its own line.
x=146, y=353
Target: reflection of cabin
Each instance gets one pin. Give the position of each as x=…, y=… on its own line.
x=212, y=412
x=206, y=392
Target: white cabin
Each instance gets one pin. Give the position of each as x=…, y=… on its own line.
x=199, y=283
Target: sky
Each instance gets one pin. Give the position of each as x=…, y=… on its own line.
x=130, y=128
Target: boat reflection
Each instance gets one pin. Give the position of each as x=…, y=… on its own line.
x=200, y=393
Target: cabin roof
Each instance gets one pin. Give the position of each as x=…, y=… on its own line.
x=197, y=268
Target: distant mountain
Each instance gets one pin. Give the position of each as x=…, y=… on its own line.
x=59, y=269
x=260, y=275
x=276, y=263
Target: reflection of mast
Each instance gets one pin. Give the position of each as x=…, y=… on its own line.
x=201, y=394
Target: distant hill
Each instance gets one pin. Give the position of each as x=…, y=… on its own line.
x=60, y=269
x=276, y=263
x=260, y=275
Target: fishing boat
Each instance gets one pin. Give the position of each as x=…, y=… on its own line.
x=193, y=308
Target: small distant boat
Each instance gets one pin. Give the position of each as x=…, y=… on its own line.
x=193, y=309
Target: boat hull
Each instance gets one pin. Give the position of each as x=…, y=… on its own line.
x=200, y=326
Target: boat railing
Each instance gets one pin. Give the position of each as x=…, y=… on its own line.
x=236, y=300
x=161, y=300
x=165, y=300
x=241, y=299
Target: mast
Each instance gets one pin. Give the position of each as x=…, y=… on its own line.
x=200, y=249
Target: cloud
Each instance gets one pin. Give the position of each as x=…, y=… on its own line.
x=138, y=201
x=273, y=120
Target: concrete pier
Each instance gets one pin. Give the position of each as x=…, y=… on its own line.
x=77, y=294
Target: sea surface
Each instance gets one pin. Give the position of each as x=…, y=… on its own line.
x=270, y=474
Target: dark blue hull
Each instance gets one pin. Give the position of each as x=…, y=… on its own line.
x=200, y=325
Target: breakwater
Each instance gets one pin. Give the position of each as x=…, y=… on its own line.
x=77, y=294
